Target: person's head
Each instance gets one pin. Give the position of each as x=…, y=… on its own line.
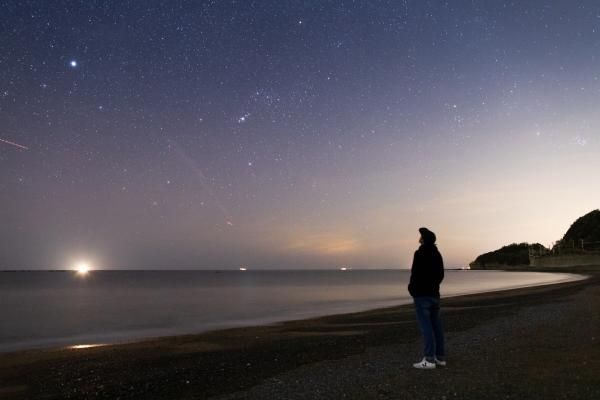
x=427, y=237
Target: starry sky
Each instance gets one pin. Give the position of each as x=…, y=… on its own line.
x=292, y=134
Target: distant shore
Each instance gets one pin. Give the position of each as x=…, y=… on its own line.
x=537, y=342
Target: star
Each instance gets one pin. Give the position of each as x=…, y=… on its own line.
x=243, y=118
x=73, y=63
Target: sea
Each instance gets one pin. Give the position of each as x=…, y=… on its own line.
x=44, y=309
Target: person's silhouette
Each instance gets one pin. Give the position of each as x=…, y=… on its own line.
x=427, y=273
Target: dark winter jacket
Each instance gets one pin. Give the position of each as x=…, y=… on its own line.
x=427, y=272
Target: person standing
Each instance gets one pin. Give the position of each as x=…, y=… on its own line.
x=427, y=273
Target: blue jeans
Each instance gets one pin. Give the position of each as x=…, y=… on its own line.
x=428, y=315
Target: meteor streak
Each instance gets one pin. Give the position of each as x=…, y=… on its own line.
x=14, y=144
x=204, y=182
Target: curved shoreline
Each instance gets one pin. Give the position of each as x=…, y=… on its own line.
x=131, y=337
x=235, y=360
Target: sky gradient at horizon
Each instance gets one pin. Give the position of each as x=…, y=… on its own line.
x=292, y=134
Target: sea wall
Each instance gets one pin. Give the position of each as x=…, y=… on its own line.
x=565, y=260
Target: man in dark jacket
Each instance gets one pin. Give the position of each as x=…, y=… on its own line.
x=427, y=273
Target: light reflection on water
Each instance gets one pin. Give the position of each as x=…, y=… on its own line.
x=85, y=346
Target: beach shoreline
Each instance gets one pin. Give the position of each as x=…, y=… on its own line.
x=232, y=362
x=193, y=318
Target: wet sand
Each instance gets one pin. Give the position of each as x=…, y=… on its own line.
x=534, y=343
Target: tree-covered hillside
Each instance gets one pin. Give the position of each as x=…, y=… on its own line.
x=513, y=254
x=586, y=228
x=582, y=237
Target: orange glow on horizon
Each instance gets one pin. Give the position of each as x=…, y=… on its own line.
x=324, y=244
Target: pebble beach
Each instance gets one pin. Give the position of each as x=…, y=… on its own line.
x=532, y=343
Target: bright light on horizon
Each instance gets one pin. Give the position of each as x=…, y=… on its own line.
x=82, y=268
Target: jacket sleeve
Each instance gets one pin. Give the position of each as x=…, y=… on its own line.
x=440, y=269
x=413, y=272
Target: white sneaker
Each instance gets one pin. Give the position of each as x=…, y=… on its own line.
x=440, y=363
x=424, y=364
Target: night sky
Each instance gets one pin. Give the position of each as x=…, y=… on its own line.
x=292, y=134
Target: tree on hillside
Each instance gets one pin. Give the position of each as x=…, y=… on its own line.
x=586, y=228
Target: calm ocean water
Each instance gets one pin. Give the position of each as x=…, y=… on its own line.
x=46, y=309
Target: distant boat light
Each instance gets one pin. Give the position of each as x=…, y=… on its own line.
x=243, y=269
x=344, y=269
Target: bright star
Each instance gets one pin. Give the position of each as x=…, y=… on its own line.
x=73, y=63
x=243, y=118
